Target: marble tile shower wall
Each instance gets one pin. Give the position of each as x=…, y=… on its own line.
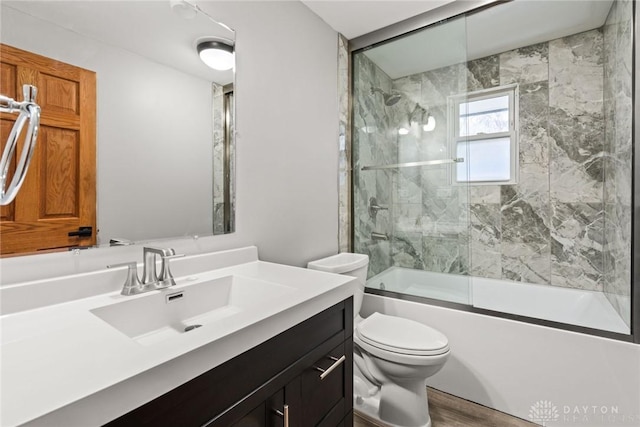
x=218, y=159
x=431, y=217
x=618, y=110
x=374, y=143
x=344, y=150
x=218, y=111
x=547, y=229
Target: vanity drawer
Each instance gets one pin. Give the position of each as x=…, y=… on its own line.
x=324, y=388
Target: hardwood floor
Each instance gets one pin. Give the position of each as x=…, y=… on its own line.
x=450, y=411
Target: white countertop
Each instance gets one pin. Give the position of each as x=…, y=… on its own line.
x=63, y=365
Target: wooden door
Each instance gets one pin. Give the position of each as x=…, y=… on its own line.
x=58, y=195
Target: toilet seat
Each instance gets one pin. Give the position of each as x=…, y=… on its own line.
x=400, y=336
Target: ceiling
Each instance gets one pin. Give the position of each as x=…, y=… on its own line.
x=147, y=28
x=498, y=29
x=153, y=30
x=353, y=18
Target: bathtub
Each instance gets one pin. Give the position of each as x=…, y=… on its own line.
x=518, y=367
x=579, y=307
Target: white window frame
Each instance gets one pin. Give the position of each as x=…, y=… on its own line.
x=454, y=138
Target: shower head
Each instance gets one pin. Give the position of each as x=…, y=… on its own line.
x=389, y=98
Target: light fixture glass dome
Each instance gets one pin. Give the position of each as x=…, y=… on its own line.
x=430, y=125
x=217, y=55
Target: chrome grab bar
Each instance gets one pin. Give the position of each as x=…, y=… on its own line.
x=27, y=110
x=413, y=164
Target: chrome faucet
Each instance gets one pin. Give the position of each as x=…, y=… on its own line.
x=150, y=278
x=150, y=275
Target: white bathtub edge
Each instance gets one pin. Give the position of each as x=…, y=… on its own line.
x=512, y=366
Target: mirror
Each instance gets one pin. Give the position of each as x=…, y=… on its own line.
x=164, y=120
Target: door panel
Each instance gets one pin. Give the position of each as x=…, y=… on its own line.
x=275, y=409
x=59, y=186
x=7, y=212
x=8, y=76
x=59, y=192
x=60, y=95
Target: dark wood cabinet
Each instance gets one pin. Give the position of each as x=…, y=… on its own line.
x=252, y=389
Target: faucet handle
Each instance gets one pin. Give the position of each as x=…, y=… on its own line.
x=132, y=284
x=166, y=278
x=173, y=256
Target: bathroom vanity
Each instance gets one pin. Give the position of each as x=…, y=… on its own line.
x=273, y=342
x=308, y=369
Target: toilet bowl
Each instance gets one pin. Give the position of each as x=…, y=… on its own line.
x=393, y=356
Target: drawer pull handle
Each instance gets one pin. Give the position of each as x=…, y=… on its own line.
x=337, y=362
x=284, y=414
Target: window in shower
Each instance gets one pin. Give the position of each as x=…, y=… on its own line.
x=483, y=133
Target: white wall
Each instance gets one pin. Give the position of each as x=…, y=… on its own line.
x=510, y=366
x=287, y=142
x=154, y=169
x=287, y=153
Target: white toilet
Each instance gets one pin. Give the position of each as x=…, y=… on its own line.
x=393, y=356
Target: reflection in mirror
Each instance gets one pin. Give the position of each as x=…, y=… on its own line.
x=163, y=124
x=223, y=160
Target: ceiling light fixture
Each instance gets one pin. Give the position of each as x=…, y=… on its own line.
x=216, y=54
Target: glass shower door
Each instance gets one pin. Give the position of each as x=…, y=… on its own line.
x=410, y=216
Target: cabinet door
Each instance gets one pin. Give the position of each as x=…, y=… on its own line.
x=326, y=388
x=276, y=410
x=285, y=403
x=255, y=418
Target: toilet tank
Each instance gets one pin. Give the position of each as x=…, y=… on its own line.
x=349, y=264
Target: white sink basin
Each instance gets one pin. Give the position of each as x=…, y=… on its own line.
x=160, y=315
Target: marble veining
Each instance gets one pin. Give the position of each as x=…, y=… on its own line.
x=486, y=240
x=528, y=64
x=446, y=254
x=407, y=250
x=576, y=251
x=533, y=121
x=576, y=71
x=483, y=73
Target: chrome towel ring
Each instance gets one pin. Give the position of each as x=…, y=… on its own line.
x=28, y=111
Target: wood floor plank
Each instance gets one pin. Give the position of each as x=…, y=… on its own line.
x=451, y=411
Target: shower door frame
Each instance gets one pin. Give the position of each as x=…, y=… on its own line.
x=454, y=10
x=635, y=186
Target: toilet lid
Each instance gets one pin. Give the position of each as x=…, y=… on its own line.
x=401, y=335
